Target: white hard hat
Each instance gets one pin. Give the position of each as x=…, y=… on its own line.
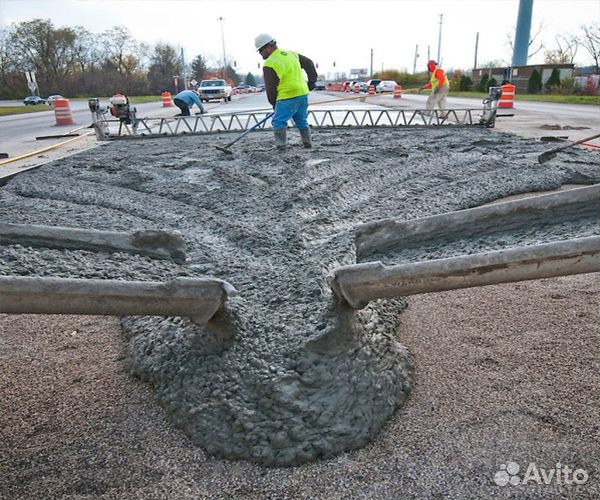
x=261, y=40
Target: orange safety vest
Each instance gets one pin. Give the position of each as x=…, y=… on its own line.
x=438, y=78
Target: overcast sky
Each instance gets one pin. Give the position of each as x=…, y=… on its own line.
x=343, y=31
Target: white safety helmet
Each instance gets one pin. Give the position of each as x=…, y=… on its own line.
x=261, y=40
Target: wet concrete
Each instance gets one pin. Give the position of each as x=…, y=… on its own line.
x=303, y=377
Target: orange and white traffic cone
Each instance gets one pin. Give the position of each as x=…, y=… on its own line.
x=62, y=112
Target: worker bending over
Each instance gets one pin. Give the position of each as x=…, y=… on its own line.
x=439, y=85
x=185, y=100
x=287, y=90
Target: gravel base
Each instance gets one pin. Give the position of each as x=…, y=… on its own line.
x=503, y=373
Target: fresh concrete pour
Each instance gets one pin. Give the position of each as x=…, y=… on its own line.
x=302, y=377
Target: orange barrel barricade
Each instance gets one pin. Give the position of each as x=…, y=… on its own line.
x=62, y=112
x=347, y=87
x=507, y=98
x=166, y=100
x=397, y=91
x=371, y=89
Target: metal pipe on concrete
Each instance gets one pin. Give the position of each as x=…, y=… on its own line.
x=153, y=243
x=358, y=284
x=377, y=237
x=196, y=298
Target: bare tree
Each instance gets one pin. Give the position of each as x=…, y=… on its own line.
x=565, y=51
x=122, y=52
x=591, y=42
x=535, y=43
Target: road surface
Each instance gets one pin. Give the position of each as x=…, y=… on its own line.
x=531, y=119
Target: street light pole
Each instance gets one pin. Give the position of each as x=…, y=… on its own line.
x=223, y=42
x=440, y=40
x=416, y=57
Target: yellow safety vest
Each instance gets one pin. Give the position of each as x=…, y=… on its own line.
x=434, y=81
x=286, y=65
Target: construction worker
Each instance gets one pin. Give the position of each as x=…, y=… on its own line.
x=287, y=91
x=185, y=100
x=439, y=85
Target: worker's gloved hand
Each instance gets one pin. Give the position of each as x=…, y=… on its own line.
x=311, y=85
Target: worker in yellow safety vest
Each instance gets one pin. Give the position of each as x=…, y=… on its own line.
x=287, y=90
x=439, y=85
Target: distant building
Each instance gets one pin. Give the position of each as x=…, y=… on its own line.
x=520, y=74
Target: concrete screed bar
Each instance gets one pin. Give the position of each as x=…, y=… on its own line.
x=196, y=298
x=360, y=283
x=153, y=243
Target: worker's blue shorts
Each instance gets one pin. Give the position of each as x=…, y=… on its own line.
x=295, y=108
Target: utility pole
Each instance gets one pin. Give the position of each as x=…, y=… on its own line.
x=223, y=42
x=371, y=72
x=416, y=57
x=428, y=55
x=185, y=80
x=440, y=39
x=476, y=46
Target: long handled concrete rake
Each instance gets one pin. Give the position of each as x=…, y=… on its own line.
x=551, y=153
x=226, y=149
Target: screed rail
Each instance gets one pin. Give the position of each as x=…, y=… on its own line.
x=107, y=129
x=360, y=283
x=196, y=298
x=150, y=242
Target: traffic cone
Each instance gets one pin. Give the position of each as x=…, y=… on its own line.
x=62, y=112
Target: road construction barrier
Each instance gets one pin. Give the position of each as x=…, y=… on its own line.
x=397, y=91
x=347, y=87
x=508, y=96
x=62, y=112
x=166, y=100
x=371, y=89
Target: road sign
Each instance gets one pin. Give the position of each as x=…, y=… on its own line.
x=193, y=82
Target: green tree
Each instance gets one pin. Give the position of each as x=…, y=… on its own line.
x=199, y=67
x=492, y=82
x=164, y=64
x=554, y=80
x=250, y=80
x=466, y=83
x=484, y=83
x=534, y=84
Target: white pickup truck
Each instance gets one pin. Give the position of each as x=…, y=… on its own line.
x=214, y=89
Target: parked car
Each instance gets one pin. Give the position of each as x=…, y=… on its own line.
x=51, y=98
x=320, y=84
x=32, y=100
x=385, y=86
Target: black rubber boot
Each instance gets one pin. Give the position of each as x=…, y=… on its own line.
x=306, y=140
x=280, y=139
